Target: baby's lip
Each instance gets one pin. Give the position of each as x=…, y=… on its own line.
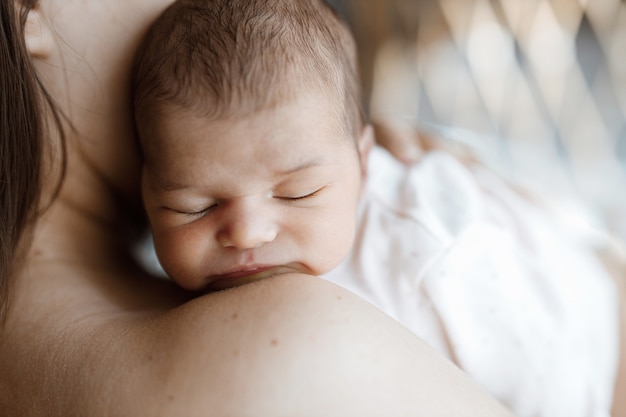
x=243, y=271
x=242, y=275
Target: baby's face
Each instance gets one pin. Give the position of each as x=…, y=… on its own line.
x=232, y=202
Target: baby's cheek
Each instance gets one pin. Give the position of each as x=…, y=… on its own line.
x=180, y=253
x=333, y=240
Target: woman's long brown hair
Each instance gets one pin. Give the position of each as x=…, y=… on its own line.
x=22, y=134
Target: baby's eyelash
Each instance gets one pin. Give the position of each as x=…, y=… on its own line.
x=194, y=213
x=197, y=213
x=303, y=197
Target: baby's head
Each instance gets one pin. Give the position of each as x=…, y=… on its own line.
x=249, y=117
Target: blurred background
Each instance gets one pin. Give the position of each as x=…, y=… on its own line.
x=538, y=87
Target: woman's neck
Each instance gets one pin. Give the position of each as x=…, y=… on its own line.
x=81, y=251
x=88, y=223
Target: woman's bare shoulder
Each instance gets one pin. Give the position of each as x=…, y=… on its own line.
x=288, y=345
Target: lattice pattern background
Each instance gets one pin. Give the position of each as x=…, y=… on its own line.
x=540, y=83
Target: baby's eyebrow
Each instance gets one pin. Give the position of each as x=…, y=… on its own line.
x=164, y=185
x=312, y=163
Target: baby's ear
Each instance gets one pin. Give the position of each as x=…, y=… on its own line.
x=38, y=35
x=365, y=143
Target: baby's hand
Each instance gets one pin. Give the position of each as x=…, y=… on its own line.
x=402, y=141
x=408, y=144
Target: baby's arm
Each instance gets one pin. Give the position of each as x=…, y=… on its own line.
x=406, y=144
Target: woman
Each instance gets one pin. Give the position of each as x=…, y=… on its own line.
x=87, y=332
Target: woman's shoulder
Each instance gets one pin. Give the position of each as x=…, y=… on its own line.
x=286, y=345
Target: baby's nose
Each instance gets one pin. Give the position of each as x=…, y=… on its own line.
x=247, y=228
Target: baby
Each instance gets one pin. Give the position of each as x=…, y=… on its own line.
x=255, y=159
x=253, y=140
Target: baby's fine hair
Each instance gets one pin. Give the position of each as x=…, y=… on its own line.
x=230, y=58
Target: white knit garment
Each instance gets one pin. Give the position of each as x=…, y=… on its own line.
x=489, y=280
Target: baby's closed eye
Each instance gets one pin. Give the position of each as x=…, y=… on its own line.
x=298, y=195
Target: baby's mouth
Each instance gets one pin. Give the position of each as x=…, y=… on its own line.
x=243, y=275
x=245, y=271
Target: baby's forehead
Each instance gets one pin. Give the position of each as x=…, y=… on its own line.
x=179, y=129
x=240, y=113
x=238, y=152
x=243, y=102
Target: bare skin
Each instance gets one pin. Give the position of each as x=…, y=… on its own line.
x=90, y=334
